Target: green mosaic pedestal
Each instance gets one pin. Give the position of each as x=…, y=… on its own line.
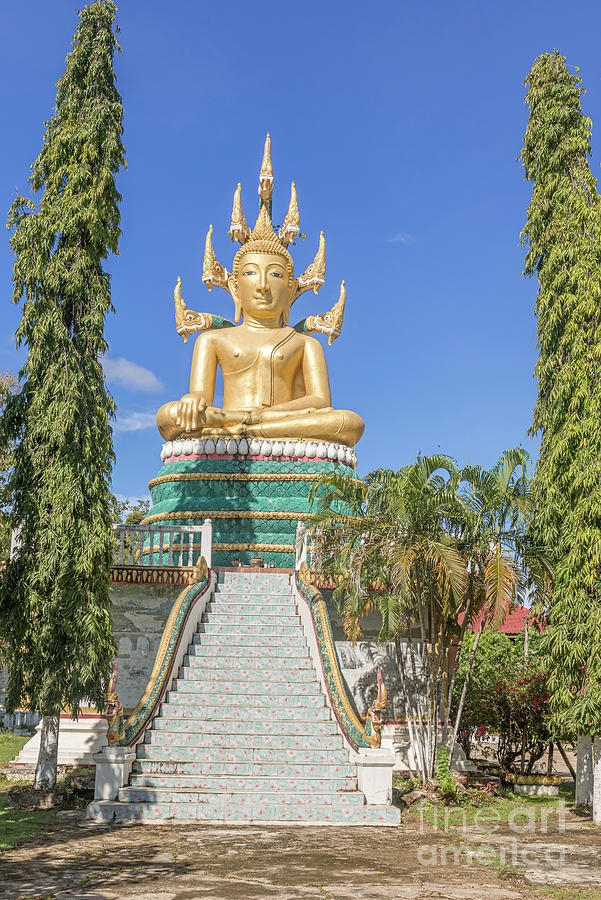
x=255, y=503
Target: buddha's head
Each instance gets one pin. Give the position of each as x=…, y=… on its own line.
x=262, y=281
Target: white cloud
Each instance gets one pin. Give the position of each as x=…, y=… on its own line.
x=401, y=238
x=135, y=421
x=129, y=374
x=124, y=498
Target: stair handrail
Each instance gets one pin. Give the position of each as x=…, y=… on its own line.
x=352, y=727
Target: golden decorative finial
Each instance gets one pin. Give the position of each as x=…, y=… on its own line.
x=291, y=226
x=266, y=174
x=239, y=230
x=329, y=323
x=315, y=275
x=186, y=320
x=212, y=271
x=263, y=230
x=201, y=570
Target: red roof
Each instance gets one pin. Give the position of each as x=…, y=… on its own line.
x=514, y=620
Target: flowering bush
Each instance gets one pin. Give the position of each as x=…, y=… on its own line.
x=508, y=699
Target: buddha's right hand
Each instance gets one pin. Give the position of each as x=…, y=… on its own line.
x=191, y=411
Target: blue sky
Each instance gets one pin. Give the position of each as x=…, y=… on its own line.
x=400, y=123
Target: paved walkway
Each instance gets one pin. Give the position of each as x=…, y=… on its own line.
x=258, y=863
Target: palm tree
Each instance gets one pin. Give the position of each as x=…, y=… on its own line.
x=493, y=510
x=432, y=549
x=384, y=539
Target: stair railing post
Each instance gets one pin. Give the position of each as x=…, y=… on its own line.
x=301, y=545
x=206, y=541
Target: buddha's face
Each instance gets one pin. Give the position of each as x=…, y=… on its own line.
x=263, y=287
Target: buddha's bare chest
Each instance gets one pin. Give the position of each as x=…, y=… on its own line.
x=276, y=356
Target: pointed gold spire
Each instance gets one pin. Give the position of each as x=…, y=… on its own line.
x=239, y=230
x=291, y=226
x=212, y=271
x=263, y=230
x=315, y=275
x=266, y=174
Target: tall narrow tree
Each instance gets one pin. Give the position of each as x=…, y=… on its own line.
x=563, y=240
x=54, y=596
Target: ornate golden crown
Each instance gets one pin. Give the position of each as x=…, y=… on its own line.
x=262, y=239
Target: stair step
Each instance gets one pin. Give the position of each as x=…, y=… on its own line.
x=261, y=584
x=248, y=597
x=236, y=782
x=155, y=794
x=248, y=729
x=249, y=648
x=236, y=674
x=259, y=607
x=189, y=751
x=240, y=691
x=264, y=666
x=258, y=770
x=255, y=641
x=231, y=812
x=174, y=709
x=252, y=702
x=248, y=741
x=235, y=620
x=257, y=629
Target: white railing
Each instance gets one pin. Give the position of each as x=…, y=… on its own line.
x=136, y=545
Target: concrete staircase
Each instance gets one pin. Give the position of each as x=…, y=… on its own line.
x=244, y=734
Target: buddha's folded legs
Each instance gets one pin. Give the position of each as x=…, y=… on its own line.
x=331, y=425
x=341, y=426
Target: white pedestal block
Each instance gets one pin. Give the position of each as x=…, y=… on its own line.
x=77, y=742
x=374, y=774
x=113, y=766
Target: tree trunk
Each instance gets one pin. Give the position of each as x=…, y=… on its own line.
x=584, y=772
x=550, y=760
x=45, y=771
x=564, y=756
x=466, y=682
x=597, y=780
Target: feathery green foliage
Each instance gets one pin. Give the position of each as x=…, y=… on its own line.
x=54, y=596
x=8, y=388
x=563, y=239
x=429, y=548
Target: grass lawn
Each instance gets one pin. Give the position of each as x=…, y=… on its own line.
x=17, y=825
x=10, y=744
x=483, y=810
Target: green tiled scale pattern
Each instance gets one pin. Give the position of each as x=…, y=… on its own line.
x=198, y=497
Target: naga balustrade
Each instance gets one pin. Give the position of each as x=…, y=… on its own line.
x=136, y=545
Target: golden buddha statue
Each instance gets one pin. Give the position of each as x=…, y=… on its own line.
x=275, y=377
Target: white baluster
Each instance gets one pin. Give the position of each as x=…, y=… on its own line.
x=206, y=541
